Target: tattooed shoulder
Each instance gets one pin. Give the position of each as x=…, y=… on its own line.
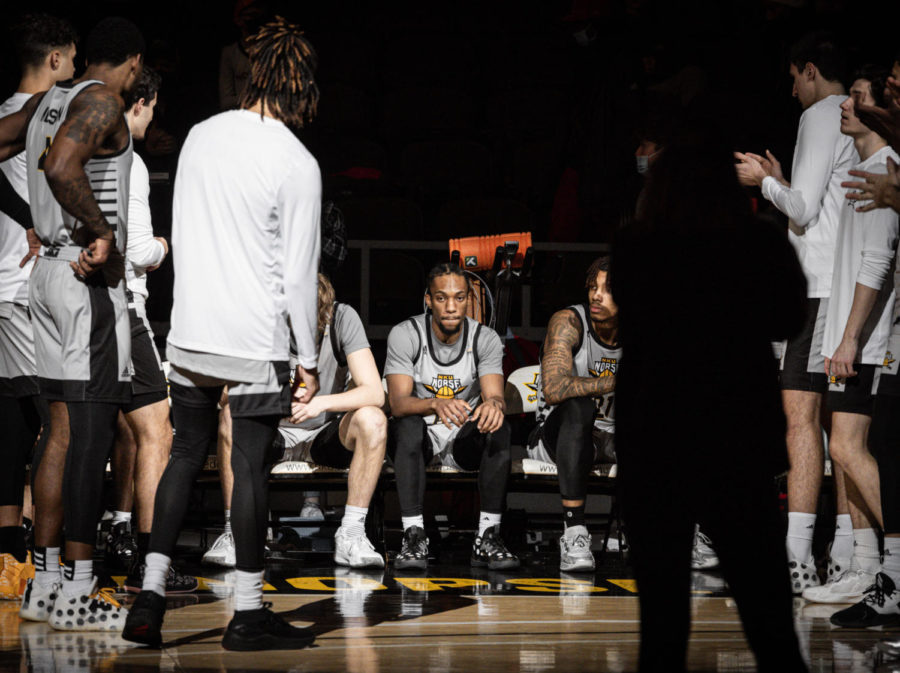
x=93, y=115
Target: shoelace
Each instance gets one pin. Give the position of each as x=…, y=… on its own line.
x=414, y=547
x=220, y=542
x=879, y=591
x=106, y=595
x=494, y=546
x=702, y=539
x=580, y=541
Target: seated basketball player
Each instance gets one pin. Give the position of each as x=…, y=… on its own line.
x=445, y=383
x=576, y=405
x=343, y=425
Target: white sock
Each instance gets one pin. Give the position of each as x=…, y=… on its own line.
x=46, y=565
x=487, y=520
x=354, y=520
x=248, y=590
x=800, y=535
x=892, y=559
x=842, y=547
x=865, y=549
x=155, y=573
x=227, y=522
x=410, y=521
x=119, y=517
x=78, y=577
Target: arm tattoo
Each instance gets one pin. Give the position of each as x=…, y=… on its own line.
x=93, y=118
x=559, y=384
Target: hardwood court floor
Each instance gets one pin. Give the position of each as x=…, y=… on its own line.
x=448, y=619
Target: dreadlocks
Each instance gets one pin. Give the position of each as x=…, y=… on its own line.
x=282, y=63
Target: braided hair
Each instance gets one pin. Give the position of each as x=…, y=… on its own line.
x=282, y=63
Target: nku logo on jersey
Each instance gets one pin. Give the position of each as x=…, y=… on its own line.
x=605, y=367
x=445, y=386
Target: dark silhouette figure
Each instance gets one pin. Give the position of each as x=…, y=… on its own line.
x=703, y=287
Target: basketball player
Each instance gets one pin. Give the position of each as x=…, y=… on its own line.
x=246, y=227
x=343, y=425
x=144, y=431
x=46, y=50
x=576, y=405
x=79, y=162
x=855, y=341
x=445, y=383
x=880, y=604
x=813, y=201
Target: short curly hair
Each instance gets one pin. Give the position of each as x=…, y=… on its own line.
x=113, y=40
x=36, y=35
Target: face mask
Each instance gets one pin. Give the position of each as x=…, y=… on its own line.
x=643, y=164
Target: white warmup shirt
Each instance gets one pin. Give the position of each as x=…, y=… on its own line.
x=866, y=245
x=823, y=157
x=245, y=240
x=143, y=249
x=13, y=244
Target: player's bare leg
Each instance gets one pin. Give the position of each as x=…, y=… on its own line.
x=364, y=432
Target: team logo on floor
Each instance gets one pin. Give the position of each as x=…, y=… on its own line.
x=604, y=367
x=445, y=386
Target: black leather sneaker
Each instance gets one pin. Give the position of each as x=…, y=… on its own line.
x=262, y=629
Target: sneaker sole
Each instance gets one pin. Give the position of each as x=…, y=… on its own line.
x=266, y=643
x=577, y=567
x=495, y=565
x=142, y=637
x=373, y=563
x=832, y=600
x=882, y=620
x=222, y=563
x=411, y=565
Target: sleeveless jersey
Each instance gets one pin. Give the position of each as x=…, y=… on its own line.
x=590, y=358
x=109, y=175
x=457, y=379
x=334, y=374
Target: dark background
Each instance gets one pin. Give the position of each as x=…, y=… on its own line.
x=448, y=119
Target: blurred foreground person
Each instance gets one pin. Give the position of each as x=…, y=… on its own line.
x=731, y=285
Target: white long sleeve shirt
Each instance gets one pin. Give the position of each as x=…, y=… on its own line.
x=143, y=249
x=245, y=240
x=13, y=244
x=823, y=157
x=866, y=245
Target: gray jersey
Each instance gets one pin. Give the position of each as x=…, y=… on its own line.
x=591, y=357
x=454, y=379
x=109, y=175
x=345, y=335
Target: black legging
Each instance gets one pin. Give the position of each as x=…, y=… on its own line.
x=884, y=442
x=19, y=426
x=410, y=450
x=661, y=500
x=92, y=431
x=567, y=435
x=195, y=416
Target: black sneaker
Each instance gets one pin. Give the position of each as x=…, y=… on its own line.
x=121, y=546
x=145, y=617
x=879, y=606
x=262, y=629
x=490, y=551
x=414, y=550
x=176, y=581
